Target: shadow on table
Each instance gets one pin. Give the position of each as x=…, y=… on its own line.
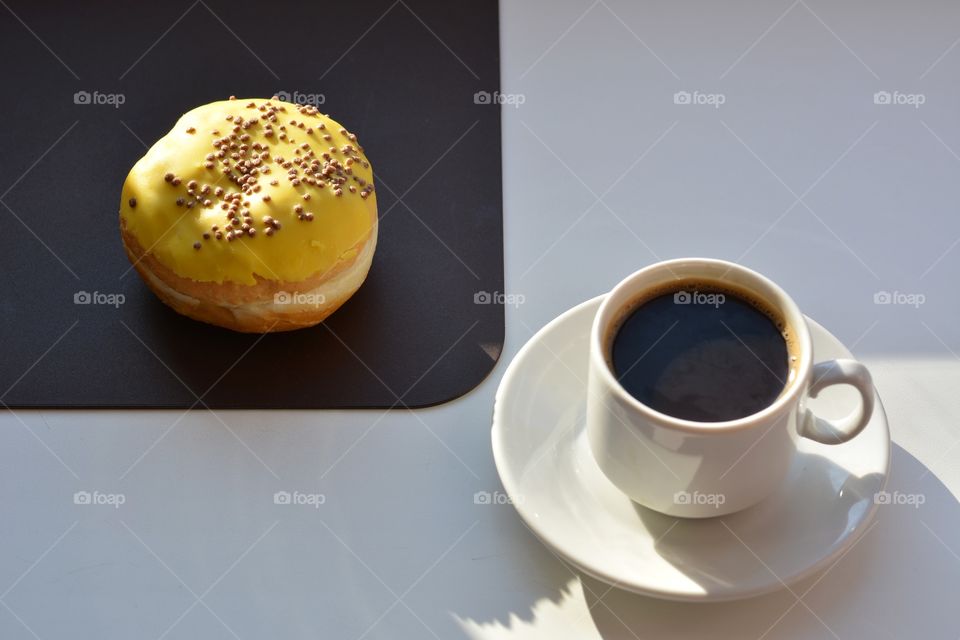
x=897, y=581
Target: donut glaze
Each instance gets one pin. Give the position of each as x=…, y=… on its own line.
x=294, y=176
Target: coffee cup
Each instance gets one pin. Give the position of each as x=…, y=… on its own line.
x=690, y=467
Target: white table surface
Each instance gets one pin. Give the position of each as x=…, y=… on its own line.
x=798, y=174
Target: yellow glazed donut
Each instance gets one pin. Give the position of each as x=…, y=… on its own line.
x=255, y=215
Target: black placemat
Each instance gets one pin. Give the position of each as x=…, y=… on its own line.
x=86, y=86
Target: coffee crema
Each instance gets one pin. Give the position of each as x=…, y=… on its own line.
x=702, y=350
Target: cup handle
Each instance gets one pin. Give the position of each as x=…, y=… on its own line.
x=831, y=372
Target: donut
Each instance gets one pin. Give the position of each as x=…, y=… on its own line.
x=255, y=215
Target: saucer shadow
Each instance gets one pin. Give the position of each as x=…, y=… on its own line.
x=896, y=581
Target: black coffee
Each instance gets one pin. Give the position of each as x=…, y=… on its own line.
x=701, y=352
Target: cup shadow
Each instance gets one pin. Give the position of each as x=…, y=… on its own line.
x=894, y=582
x=754, y=538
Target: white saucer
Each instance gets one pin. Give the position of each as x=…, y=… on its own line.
x=547, y=469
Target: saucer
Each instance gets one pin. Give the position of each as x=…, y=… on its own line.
x=541, y=452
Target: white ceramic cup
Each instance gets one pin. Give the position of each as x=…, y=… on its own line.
x=703, y=469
